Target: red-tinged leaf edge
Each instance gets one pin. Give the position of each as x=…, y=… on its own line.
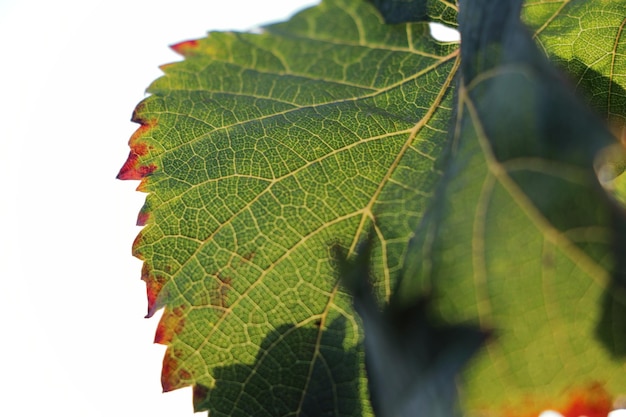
x=154, y=286
x=171, y=323
x=200, y=393
x=185, y=48
x=143, y=217
x=591, y=400
x=173, y=376
x=132, y=168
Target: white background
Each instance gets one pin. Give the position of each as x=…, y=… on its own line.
x=73, y=340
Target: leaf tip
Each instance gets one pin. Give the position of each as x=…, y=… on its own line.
x=132, y=168
x=143, y=217
x=154, y=285
x=185, y=48
x=200, y=393
x=172, y=323
x=172, y=375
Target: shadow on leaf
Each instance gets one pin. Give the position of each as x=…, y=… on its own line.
x=412, y=358
x=611, y=328
x=299, y=371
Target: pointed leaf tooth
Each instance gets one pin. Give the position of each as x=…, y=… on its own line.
x=133, y=169
x=173, y=375
x=171, y=323
x=244, y=108
x=200, y=393
x=154, y=286
x=185, y=48
x=245, y=122
x=144, y=216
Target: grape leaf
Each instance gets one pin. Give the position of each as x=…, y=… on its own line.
x=260, y=151
x=587, y=40
x=521, y=235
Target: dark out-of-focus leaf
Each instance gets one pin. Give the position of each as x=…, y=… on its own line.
x=412, y=361
x=403, y=11
x=521, y=237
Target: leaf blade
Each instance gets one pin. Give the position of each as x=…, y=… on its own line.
x=521, y=225
x=307, y=135
x=231, y=241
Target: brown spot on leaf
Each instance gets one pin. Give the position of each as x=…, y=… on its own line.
x=141, y=149
x=548, y=260
x=249, y=256
x=219, y=292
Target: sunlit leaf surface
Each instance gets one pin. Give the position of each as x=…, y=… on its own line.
x=261, y=152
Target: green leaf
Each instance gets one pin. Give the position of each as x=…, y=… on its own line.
x=587, y=40
x=261, y=152
x=258, y=152
x=522, y=238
